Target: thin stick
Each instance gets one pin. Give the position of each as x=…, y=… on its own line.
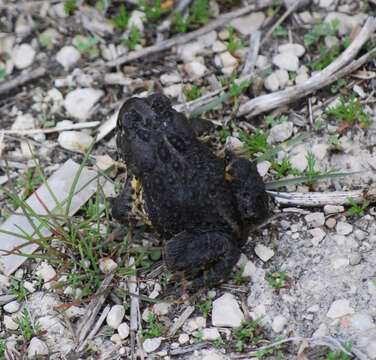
x=280, y=21
x=182, y=39
x=22, y=79
x=254, y=47
x=316, y=199
x=337, y=69
x=181, y=320
x=84, y=125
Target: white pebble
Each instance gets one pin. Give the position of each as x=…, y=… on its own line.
x=279, y=323
x=23, y=56
x=315, y=219
x=226, y=311
x=295, y=49
x=183, y=338
x=9, y=323
x=123, y=330
x=210, y=334
x=151, y=345
x=333, y=209
x=286, y=61
x=344, y=228
x=115, y=316
x=75, y=140
x=340, y=308
x=12, y=307
x=161, y=308
x=46, y=272
x=263, y=252
x=68, y=56
x=195, y=69
x=36, y=348
x=280, y=132
x=107, y=265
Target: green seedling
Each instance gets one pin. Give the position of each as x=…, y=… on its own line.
x=199, y=13
x=180, y=24
x=2, y=349
x=283, y=168
x=154, y=328
x=249, y=333
x=339, y=355
x=321, y=30
x=205, y=307
x=27, y=327
x=192, y=92
x=87, y=45
x=239, y=279
x=278, y=280
x=357, y=209
x=199, y=335
x=280, y=32
x=350, y=112
x=271, y=120
x=234, y=43
x=17, y=289
x=3, y=74
x=327, y=56
x=255, y=143
x=153, y=9
x=120, y=21
x=134, y=38
x=70, y=7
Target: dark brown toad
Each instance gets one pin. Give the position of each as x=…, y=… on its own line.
x=201, y=205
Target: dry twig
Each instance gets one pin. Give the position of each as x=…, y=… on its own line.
x=339, y=68
x=254, y=47
x=182, y=39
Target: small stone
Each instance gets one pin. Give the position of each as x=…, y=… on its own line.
x=313, y=309
x=315, y=219
x=318, y=235
x=360, y=234
x=219, y=47
x=331, y=41
x=301, y=78
x=46, y=272
x=276, y=80
x=23, y=122
x=9, y=323
x=295, y=49
x=340, y=308
x=210, y=334
x=344, y=228
x=107, y=265
x=226, y=312
x=263, y=252
x=355, y=259
x=36, y=348
x=262, y=62
x=346, y=22
x=80, y=102
x=136, y=20
x=75, y=140
x=161, y=308
x=188, y=52
x=12, y=307
x=183, y=338
x=263, y=167
x=358, y=90
x=233, y=143
x=340, y=262
x=280, y=132
x=330, y=223
x=333, y=209
x=299, y=161
x=115, y=316
x=286, y=61
x=151, y=345
x=23, y=56
x=195, y=323
x=362, y=322
x=116, y=339
x=321, y=331
x=123, y=330
x=248, y=24
x=320, y=151
x=169, y=79
x=68, y=56
x=195, y=69
x=173, y=91
x=279, y=323
x=208, y=39
x=29, y=286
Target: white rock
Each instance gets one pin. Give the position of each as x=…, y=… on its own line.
x=362, y=322
x=301, y=78
x=344, y=228
x=12, y=307
x=136, y=20
x=318, y=235
x=23, y=122
x=326, y=3
x=219, y=47
x=171, y=78
x=173, y=90
x=74, y=312
x=210, y=334
x=161, y=308
x=195, y=70
x=195, y=323
x=188, y=52
x=346, y=22
x=313, y=309
x=46, y=272
x=123, y=330
x=315, y=219
x=227, y=60
x=320, y=151
x=208, y=39
x=226, y=312
x=9, y=323
x=183, y=338
x=23, y=56
x=248, y=24
x=331, y=41
x=107, y=265
x=359, y=90
x=286, y=61
x=321, y=331
x=262, y=61
x=116, y=339
x=79, y=103
x=115, y=316
x=276, y=80
x=280, y=132
x=68, y=56
x=29, y=286
x=333, y=209
x=340, y=262
x=75, y=140
x=295, y=49
x=340, y=308
x=36, y=348
x=299, y=161
x=151, y=345
x=233, y=143
x=263, y=167
x=263, y=252
x=279, y=323
x=360, y=234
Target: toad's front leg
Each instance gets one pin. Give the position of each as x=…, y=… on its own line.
x=204, y=257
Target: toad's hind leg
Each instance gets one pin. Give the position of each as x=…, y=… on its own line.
x=206, y=256
x=121, y=206
x=249, y=190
